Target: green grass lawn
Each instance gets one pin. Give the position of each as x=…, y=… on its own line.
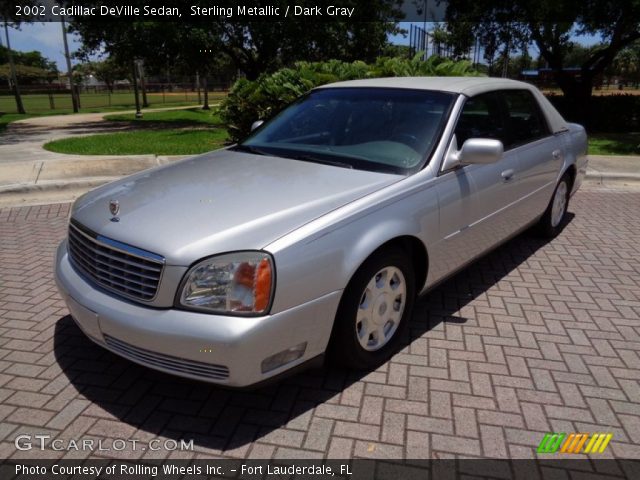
x=171, y=132
x=103, y=101
x=193, y=116
x=158, y=142
x=7, y=118
x=614, y=143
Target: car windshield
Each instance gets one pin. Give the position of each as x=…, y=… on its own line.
x=380, y=129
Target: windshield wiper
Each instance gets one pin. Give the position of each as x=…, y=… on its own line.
x=249, y=149
x=324, y=161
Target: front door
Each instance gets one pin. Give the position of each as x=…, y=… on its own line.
x=475, y=200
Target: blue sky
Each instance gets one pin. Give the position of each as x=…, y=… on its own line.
x=43, y=37
x=47, y=39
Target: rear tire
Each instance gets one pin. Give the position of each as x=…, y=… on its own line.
x=551, y=222
x=374, y=311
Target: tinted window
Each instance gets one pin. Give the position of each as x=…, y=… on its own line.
x=481, y=117
x=383, y=129
x=525, y=122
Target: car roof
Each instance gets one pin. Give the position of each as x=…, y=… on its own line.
x=469, y=86
x=465, y=85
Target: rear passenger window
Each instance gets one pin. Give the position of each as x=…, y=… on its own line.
x=481, y=117
x=525, y=122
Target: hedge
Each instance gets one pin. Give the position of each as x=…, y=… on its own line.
x=249, y=101
x=606, y=113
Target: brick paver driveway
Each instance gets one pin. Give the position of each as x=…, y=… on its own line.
x=534, y=338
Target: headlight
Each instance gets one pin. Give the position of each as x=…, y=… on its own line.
x=238, y=283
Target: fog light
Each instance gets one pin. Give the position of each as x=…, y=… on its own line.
x=283, y=357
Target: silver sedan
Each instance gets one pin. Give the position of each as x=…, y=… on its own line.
x=316, y=233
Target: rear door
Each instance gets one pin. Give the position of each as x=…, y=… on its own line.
x=539, y=152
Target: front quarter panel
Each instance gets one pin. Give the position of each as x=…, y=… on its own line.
x=326, y=260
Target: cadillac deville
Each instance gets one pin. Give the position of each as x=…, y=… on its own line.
x=315, y=234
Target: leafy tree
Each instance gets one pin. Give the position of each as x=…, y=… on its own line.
x=550, y=25
x=12, y=68
x=29, y=59
x=253, y=47
x=258, y=47
x=107, y=71
x=391, y=50
x=626, y=65
x=26, y=74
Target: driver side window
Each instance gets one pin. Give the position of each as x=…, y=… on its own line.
x=481, y=117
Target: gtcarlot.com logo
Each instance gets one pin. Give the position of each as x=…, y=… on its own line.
x=46, y=442
x=574, y=443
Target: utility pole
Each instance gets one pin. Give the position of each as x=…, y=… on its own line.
x=74, y=98
x=14, y=76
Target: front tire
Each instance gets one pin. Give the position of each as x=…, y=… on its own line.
x=374, y=310
x=550, y=224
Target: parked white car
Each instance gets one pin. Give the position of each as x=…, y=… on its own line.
x=317, y=232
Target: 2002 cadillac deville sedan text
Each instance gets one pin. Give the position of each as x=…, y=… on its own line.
x=317, y=232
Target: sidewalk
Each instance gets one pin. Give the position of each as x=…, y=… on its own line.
x=613, y=170
x=31, y=175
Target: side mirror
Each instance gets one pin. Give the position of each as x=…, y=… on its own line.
x=256, y=124
x=474, y=150
x=480, y=150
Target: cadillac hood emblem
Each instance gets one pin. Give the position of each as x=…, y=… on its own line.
x=114, y=208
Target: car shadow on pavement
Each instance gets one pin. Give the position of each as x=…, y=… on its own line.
x=222, y=421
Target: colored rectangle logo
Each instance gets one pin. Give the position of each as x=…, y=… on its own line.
x=574, y=443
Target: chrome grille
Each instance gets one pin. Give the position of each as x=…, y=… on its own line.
x=118, y=267
x=167, y=362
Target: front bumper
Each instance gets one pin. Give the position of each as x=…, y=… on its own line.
x=213, y=348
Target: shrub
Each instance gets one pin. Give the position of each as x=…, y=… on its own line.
x=249, y=101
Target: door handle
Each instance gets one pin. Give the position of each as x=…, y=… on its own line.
x=508, y=174
x=556, y=154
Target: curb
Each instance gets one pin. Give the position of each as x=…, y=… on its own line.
x=56, y=185
x=600, y=178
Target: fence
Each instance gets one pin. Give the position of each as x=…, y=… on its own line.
x=43, y=98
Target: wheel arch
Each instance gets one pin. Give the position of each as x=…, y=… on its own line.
x=417, y=252
x=418, y=258
x=412, y=246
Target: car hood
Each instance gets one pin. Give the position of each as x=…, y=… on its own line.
x=221, y=201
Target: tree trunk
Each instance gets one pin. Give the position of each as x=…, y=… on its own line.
x=14, y=77
x=143, y=85
x=577, y=93
x=74, y=97
x=206, y=93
